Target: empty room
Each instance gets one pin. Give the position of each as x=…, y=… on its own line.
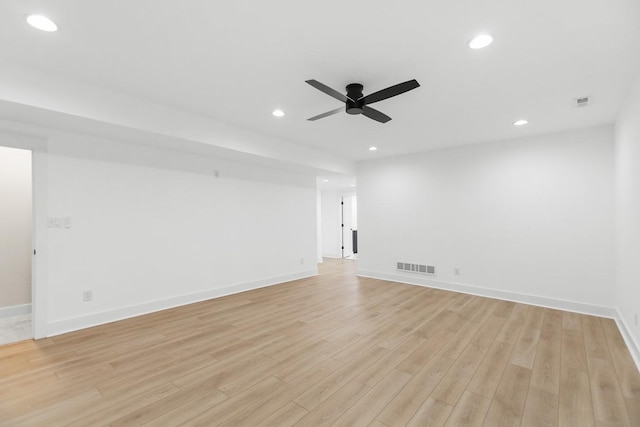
x=358, y=213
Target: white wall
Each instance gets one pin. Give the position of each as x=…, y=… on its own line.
x=521, y=218
x=15, y=227
x=152, y=229
x=627, y=160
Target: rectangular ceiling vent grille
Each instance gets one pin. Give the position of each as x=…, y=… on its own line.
x=416, y=268
x=581, y=102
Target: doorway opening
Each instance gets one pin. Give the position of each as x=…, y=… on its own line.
x=16, y=244
x=337, y=217
x=349, y=226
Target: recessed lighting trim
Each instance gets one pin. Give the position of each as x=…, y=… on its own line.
x=520, y=122
x=42, y=23
x=325, y=180
x=278, y=113
x=373, y=148
x=481, y=41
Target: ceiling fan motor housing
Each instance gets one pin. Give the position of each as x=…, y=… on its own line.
x=354, y=92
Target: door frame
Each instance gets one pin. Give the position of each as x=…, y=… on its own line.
x=38, y=147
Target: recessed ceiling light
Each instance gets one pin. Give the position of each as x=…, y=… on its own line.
x=278, y=113
x=373, y=148
x=480, y=41
x=42, y=23
x=353, y=185
x=520, y=122
x=325, y=180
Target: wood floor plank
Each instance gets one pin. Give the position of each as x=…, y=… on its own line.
x=379, y=369
x=286, y=416
x=546, y=367
x=454, y=383
x=275, y=401
x=608, y=402
x=512, y=326
x=365, y=410
x=175, y=416
x=157, y=409
x=470, y=412
x=595, y=342
x=628, y=375
x=329, y=349
x=572, y=321
x=327, y=412
x=418, y=358
x=575, y=406
x=487, y=377
x=291, y=370
x=524, y=351
x=333, y=382
x=230, y=407
x=432, y=413
x=507, y=406
x=103, y=412
x=478, y=314
x=488, y=331
x=402, y=408
x=504, y=308
x=541, y=409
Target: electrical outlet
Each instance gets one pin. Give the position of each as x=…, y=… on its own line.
x=301, y=260
x=87, y=295
x=636, y=319
x=456, y=271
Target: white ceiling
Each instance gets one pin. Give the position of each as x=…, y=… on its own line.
x=236, y=61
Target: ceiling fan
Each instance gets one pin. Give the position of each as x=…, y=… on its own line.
x=357, y=103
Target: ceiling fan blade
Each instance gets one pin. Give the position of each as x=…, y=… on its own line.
x=326, y=89
x=328, y=113
x=374, y=114
x=391, y=91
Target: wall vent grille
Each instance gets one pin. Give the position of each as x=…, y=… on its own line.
x=582, y=101
x=416, y=268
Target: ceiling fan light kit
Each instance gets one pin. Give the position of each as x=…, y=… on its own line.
x=356, y=103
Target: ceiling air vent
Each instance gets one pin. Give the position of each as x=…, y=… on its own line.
x=582, y=102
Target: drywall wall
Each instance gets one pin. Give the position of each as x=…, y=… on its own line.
x=16, y=225
x=149, y=229
x=627, y=161
x=530, y=219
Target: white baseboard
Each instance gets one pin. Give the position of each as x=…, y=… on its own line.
x=15, y=310
x=632, y=344
x=577, y=307
x=95, y=319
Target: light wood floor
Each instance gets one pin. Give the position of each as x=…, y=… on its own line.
x=329, y=350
